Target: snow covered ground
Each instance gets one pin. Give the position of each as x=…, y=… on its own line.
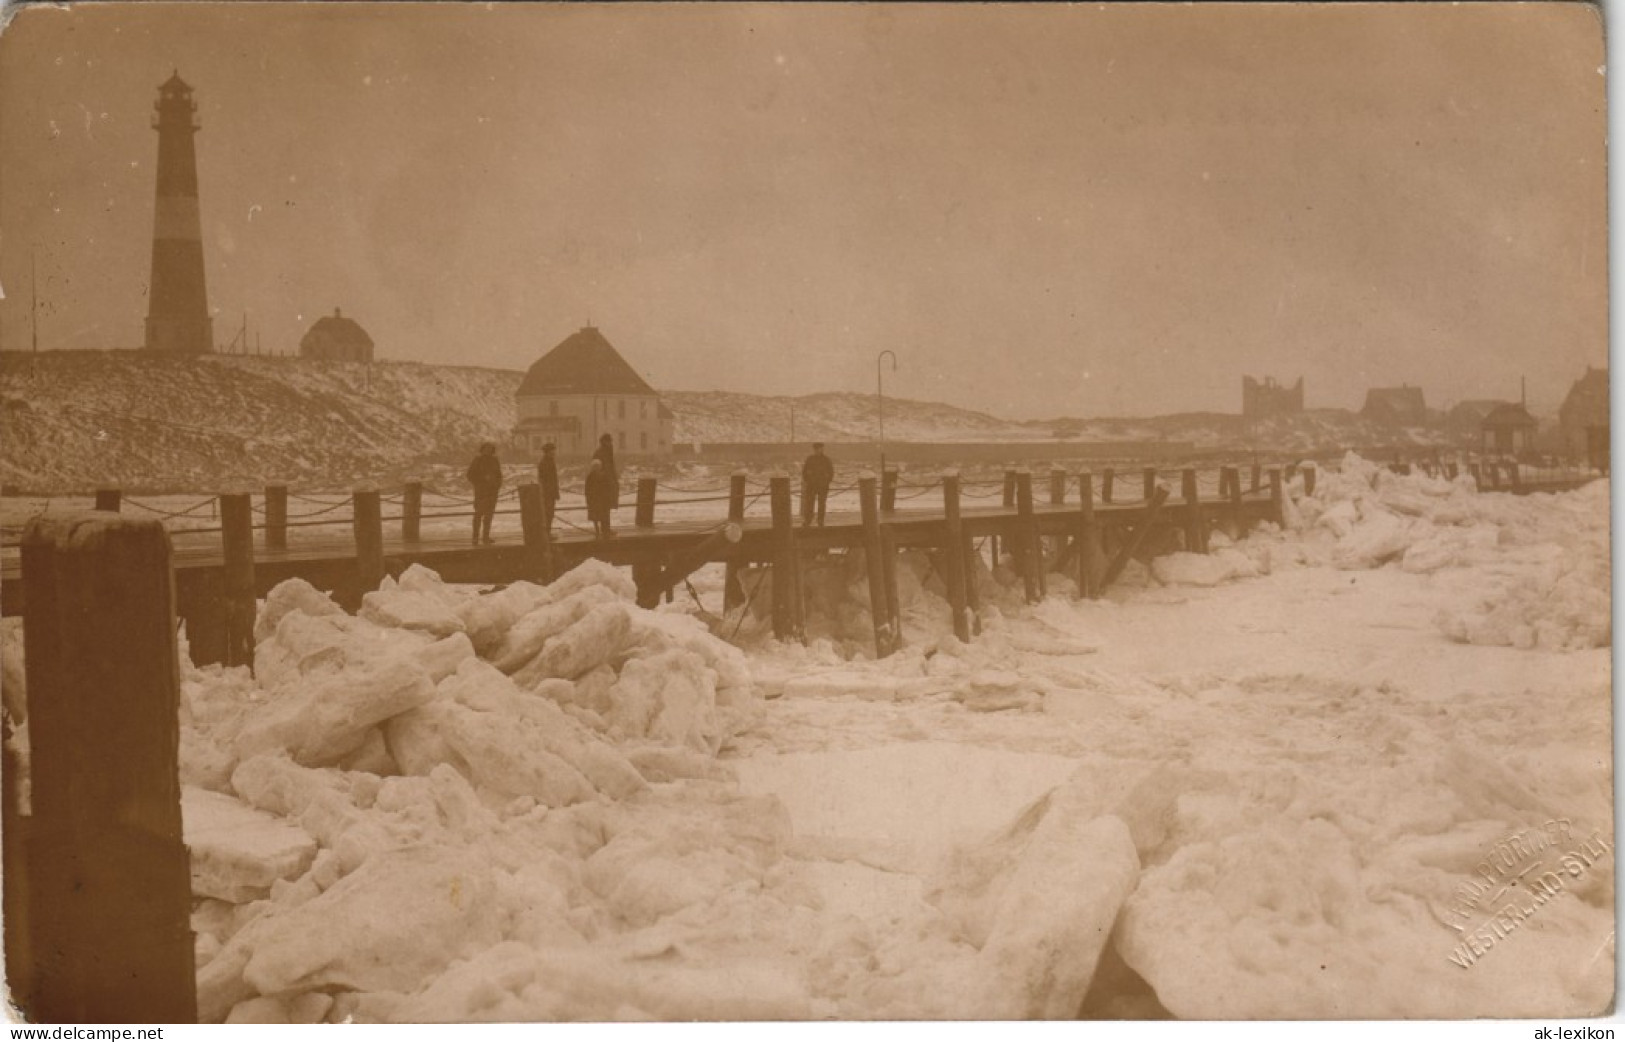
x=1357, y=768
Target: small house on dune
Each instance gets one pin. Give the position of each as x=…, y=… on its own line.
x=1583, y=418
x=582, y=390
x=335, y=338
x=1508, y=430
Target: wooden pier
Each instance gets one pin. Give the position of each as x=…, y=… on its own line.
x=1083, y=527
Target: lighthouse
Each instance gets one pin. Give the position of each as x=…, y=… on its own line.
x=177, y=303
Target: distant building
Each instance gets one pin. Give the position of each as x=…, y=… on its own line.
x=1583, y=418
x=582, y=390
x=1268, y=398
x=1508, y=430
x=1468, y=416
x=335, y=338
x=1399, y=406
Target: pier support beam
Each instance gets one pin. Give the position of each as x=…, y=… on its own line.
x=537, y=533
x=733, y=590
x=954, y=564
x=367, y=521
x=237, y=580
x=1195, y=524
x=874, y=560
x=412, y=512
x=276, y=517
x=787, y=610
x=1088, y=537
x=1029, y=553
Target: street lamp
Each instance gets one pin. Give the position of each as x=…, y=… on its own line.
x=880, y=401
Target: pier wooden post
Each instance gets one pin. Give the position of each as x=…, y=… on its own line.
x=888, y=490
x=237, y=604
x=108, y=499
x=1057, y=487
x=367, y=520
x=888, y=562
x=1106, y=485
x=538, y=538
x=1148, y=519
x=953, y=555
x=1150, y=477
x=1195, y=526
x=412, y=512
x=873, y=559
x=1277, y=497
x=1311, y=471
x=787, y=616
x=1478, y=475
x=106, y=893
x=276, y=517
x=1029, y=555
x=733, y=591
x=644, y=517
x=1009, y=488
x=1230, y=480
x=1088, y=537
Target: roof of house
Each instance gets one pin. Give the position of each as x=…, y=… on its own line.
x=1587, y=401
x=337, y=327
x=583, y=363
x=1396, y=401
x=1508, y=414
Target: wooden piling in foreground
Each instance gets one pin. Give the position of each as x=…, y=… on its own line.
x=109, y=499
x=107, y=887
x=412, y=512
x=367, y=520
x=237, y=577
x=873, y=551
x=276, y=517
x=953, y=556
x=644, y=516
x=535, y=530
x=787, y=615
x=733, y=590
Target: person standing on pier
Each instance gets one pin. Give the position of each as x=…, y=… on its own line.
x=600, y=499
x=547, y=475
x=816, y=474
x=605, y=453
x=485, y=474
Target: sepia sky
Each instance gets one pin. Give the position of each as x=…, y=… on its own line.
x=1043, y=210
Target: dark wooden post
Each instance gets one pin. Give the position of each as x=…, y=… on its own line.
x=1230, y=478
x=412, y=512
x=1150, y=477
x=733, y=591
x=1310, y=473
x=367, y=521
x=787, y=623
x=1088, y=536
x=108, y=888
x=108, y=499
x=538, y=536
x=1009, y=488
x=1277, y=497
x=1029, y=556
x=873, y=558
x=1106, y=485
x=1195, y=526
x=276, y=517
x=645, y=515
x=888, y=490
x=1057, y=487
x=237, y=604
x=888, y=562
x=953, y=555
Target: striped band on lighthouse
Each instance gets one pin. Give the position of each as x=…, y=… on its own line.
x=178, y=307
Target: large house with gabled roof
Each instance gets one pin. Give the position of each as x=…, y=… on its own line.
x=582, y=390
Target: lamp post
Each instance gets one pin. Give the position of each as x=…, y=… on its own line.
x=880, y=401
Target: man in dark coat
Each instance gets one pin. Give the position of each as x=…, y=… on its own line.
x=485, y=474
x=547, y=475
x=600, y=496
x=816, y=474
x=605, y=453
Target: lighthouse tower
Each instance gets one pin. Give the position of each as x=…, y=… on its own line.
x=177, y=304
